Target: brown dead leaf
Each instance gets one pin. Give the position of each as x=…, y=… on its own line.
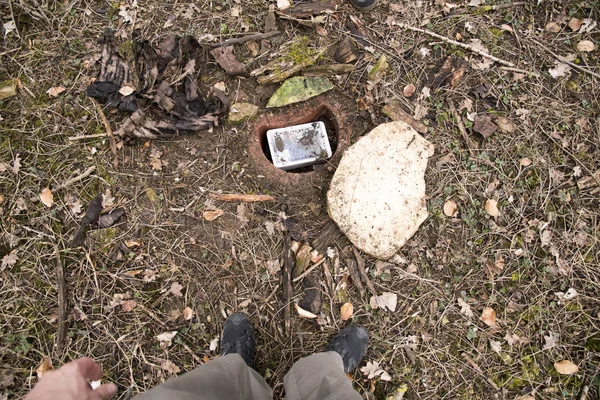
x=586, y=46
x=484, y=125
x=491, y=207
x=514, y=339
x=566, y=367
x=45, y=366
x=225, y=57
x=170, y=367
x=346, y=311
x=450, y=208
x=409, y=90
x=128, y=305
x=176, y=289
x=133, y=272
x=575, y=24
x=228, y=263
x=488, y=316
x=303, y=313
x=55, y=91
x=525, y=162
x=46, y=197
x=188, y=313
x=211, y=215
x=505, y=125
x=552, y=27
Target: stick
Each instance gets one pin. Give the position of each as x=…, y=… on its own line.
x=249, y=198
x=562, y=59
x=85, y=137
x=308, y=271
x=288, y=266
x=62, y=301
x=459, y=44
x=109, y=132
x=245, y=39
x=461, y=127
x=76, y=179
x=362, y=272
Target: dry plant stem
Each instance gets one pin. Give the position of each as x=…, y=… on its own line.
x=76, y=179
x=62, y=300
x=308, y=271
x=109, y=132
x=478, y=369
x=249, y=38
x=562, y=59
x=360, y=262
x=459, y=44
x=84, y=137
x=288, y=267
x=461, y=127
x=502, y=6
x=249, y=198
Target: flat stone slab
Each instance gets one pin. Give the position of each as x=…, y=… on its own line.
x=377, y=195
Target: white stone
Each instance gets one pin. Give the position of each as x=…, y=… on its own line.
x=377, y=195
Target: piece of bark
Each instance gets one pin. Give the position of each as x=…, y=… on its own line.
x=270, y=20
x=138, y=125
x=328, y=277
x=346, y=52
x=109, y=219
x=288, y=267
x=61, y=284
x=249, y=38
x=450, y=74
x=302, y=260
x=307, y=10
x=394, y=110
x=359, y=33
x=587, y=182
x=225, y=57
x=353, y=271
x=360, y=263
x=483, y=124
x=278, y=74
x=328, y=234
x=329, y=69
x=312, y=298
x=92, y=213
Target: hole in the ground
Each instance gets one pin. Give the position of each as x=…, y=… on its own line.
x=323, y=114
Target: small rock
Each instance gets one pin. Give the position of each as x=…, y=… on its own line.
x=409, y=90
x=242, y=112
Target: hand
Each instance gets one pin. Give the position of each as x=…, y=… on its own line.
x=71, y=382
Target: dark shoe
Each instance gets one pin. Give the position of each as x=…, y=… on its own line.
x=238, y=338
x=350, y=343
x=364, y=5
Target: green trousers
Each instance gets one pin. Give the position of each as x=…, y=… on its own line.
x=317, y=377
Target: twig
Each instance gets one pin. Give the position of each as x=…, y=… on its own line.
x=564, y=60
x=362, y=272
x=308, y=271
x=522, y=71
x=250, y=198
x=85, y=137
x=478, y=369
x=501, y=6
x=76, y=179
x=288, y=266
x=461, y=127
x=459, y=44
x=109, y=132
x=151, y=314
x=245, y=39
x=62, y=301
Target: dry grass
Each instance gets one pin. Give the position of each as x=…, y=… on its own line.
x=427, y=344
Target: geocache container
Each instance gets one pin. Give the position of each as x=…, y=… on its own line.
x=299, y=145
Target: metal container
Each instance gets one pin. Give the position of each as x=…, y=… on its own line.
x=299, y=146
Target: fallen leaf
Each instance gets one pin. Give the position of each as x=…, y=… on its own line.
x=347, y=311
x=386, y=300
x=283, y=4
x=211, y=215
x=560, y=69
x=45, y=366
x=465, y=308
x=586, y=46
x=514, y=339
x=475, y=3
x=488, y=316
x=8, y=88
x=505, y=125
x=552, y=27
x=170, y=21
x=409, y=90
x=128, y=305
x=9, y=259
x=491, y=207
x=188, y=313
x=484, y=125
x=150, y=275
x=506, y=28
x=525, y=162
x=16, y=165
x=241, y=215
x=551, y=340
x=225, y=57
x=450, y=208
x=235, y=11
x=176, y=289
x=126, y=90
x=496, y=346
x=169, y=366
x=575, y=24
x=214, y=344
x=373, y=370
x=303, y=313
x=9, y=27
x=55, y=91
x=46, y=197
x=570, y=295
x=166, y=338
x=566, y=367
x=588, y=25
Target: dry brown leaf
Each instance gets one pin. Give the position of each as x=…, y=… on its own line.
x=491, y=207
x=575, y=24
x=132, y=243
x=566, y=367
x=303, y=313
x=552, y=27
x=409, y=90
x=347, y=311
x=496, y=346
x=386, y=300
x=165, y=338
x=514, y=339
x=211, y=215
x=46, y=197
x=450, y=208
x=586, y=46
x=525, y=162
x=169, y=366
x=465, y=308
x=505, y=125
x=55, y=91
x=188, y=313
x=133, y=272
x=176, y=289
x=128, y=305
x=45, y=366
x=488, y=316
